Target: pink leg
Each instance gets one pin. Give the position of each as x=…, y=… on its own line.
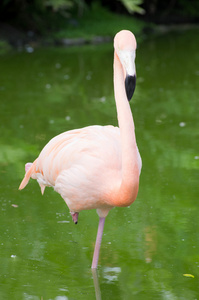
x=98, y=243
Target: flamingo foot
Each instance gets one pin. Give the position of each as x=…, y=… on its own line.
x=75, y=216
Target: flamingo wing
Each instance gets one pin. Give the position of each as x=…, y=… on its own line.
x=82, y=165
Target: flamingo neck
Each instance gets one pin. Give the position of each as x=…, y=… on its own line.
x=130, y=172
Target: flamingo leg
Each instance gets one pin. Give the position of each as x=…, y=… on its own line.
x=98, y=243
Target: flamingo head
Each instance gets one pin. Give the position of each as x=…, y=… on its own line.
x=125, y=47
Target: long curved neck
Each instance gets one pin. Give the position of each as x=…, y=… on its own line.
x=130, y=172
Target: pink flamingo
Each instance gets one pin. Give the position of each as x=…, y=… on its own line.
x=96, y=167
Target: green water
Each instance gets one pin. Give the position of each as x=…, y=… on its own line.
x=147, y=248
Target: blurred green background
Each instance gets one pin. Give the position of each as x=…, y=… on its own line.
x=150, y=250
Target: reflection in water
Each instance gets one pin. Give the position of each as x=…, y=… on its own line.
x=32, y=297
x=111, y=274
x=42, y=254
x=96, y=284
x=151, y=242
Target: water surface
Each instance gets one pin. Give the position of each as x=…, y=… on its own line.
x=150, y=250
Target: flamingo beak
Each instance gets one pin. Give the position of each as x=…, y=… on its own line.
x=130, y=83
x=127, y=58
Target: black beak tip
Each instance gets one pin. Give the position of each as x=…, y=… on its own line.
x=130, y=83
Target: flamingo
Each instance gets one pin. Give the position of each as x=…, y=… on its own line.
x=96, y=167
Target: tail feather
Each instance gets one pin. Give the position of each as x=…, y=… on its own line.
x=42, y=186
x=30, y=169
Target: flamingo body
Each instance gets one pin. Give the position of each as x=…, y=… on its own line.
x=83, y=166
x=96, y=167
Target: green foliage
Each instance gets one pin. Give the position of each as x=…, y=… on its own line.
x=98, y=21
x=59, y=4
x=133, y=6
x=4, y=47
x=42, y=16
x=190, y=7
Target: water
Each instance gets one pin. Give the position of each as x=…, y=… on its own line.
x=150, y=250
